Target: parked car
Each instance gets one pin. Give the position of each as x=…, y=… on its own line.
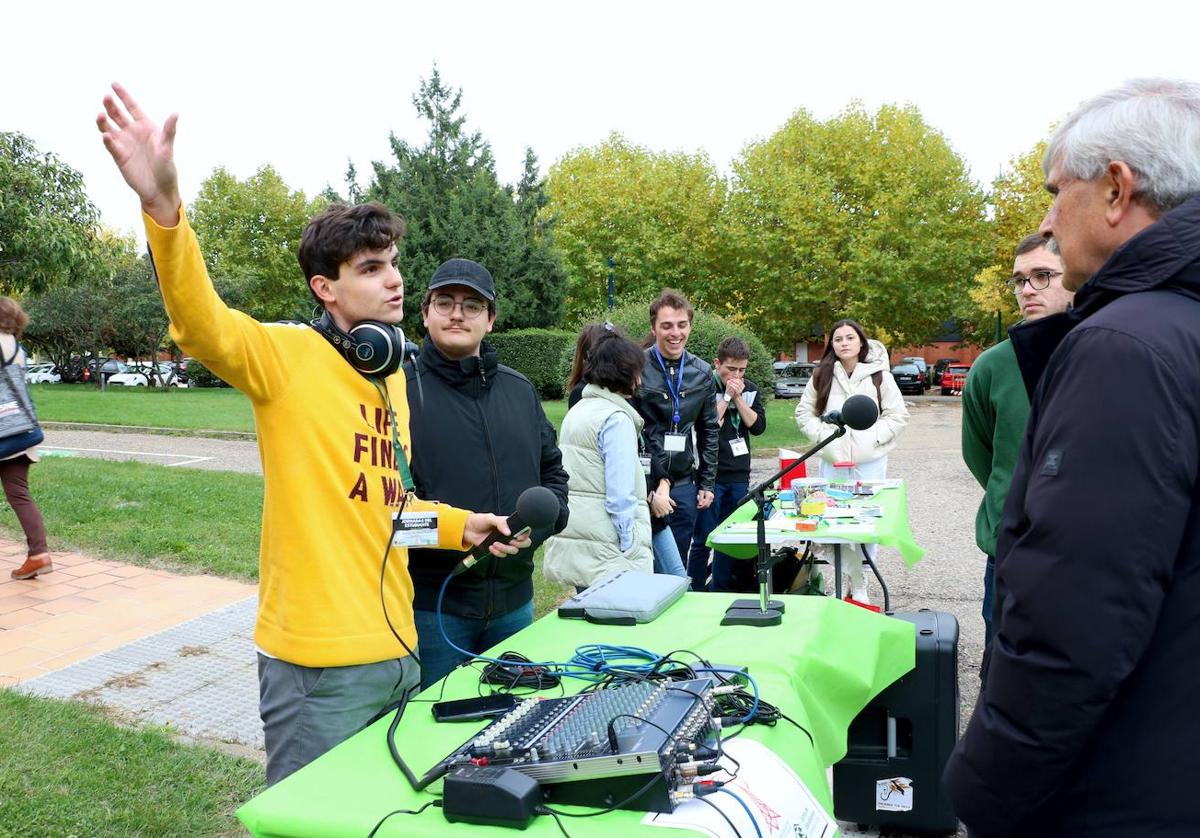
x=909, y=379
x=139, y=375
x=921, y=364
x=954, y=379
x=106, y=370
x=791, y=377
x=939, y=367
x=42, y=373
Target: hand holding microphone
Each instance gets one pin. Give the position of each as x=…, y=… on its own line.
x=537, y=507
x=857, y=413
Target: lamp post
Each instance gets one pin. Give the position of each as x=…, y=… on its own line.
x=611, y=283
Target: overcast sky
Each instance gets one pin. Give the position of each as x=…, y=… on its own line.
x=306, y=86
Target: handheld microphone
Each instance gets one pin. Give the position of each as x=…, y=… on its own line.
x=536, y=507
x=858, y=412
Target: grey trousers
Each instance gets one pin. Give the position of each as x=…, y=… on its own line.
x=306, y=711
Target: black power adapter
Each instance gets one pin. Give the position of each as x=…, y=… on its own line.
x=490, y=795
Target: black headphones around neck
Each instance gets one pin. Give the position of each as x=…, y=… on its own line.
x=374, y=348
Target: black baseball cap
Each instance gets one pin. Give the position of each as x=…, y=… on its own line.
x=464, y=272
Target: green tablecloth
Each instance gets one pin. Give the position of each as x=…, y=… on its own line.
x=734, y=538
x=820, y=667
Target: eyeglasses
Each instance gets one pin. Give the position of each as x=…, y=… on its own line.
x=471, y=307
x=1038, y=281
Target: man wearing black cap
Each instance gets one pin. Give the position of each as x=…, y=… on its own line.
x=492, y=441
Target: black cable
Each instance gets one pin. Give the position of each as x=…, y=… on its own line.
x=519, y=673
x=542, y=810
x=387, y=551
x=371, y=834
x=722, y=814
x=803, y=729
x=435, y=773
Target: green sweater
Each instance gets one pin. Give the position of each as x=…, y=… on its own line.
x=995, y=409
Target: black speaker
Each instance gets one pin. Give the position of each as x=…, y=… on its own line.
x=891, y=777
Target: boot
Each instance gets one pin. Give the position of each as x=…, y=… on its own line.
x=34, y=566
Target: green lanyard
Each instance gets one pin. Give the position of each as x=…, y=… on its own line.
x=737, y=417
x=406, y=479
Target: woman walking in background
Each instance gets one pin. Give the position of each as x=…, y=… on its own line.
x=853, y=365
x=14, y=470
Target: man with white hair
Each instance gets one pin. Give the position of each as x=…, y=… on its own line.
x=1087, y=723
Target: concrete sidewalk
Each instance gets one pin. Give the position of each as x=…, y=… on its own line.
x=151, y=647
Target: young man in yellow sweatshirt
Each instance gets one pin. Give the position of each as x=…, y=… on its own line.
x=333, y=444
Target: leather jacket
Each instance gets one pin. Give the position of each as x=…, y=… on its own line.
x=697, y=410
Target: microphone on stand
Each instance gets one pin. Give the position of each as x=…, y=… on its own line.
x=857, y=412
x=537, y=507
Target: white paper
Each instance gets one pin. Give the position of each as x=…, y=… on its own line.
x=748, y=398
x=779, y=800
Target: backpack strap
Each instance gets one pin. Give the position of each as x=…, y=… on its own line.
x=877, y=377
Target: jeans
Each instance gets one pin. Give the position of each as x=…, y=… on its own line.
x=475, y=634
x=728, y=573
x=682, y=522
x=666, y=554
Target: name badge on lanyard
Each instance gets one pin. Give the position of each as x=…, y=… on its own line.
x=415, y=529
x=674, y=442
x=738, y=446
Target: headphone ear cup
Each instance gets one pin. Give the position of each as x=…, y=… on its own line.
x=378, y=348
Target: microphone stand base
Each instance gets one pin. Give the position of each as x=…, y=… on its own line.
x=751, y=616
x=773, y=605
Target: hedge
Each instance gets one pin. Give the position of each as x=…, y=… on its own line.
x=708, y=330
x=534, y=353
x=201, y=376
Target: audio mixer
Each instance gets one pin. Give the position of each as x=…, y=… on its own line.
x=628, y=745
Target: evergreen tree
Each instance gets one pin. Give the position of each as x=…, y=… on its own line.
x=454, y=206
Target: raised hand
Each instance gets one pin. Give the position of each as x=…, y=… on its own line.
x=144, y=153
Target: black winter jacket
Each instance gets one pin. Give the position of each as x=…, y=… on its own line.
x=730, y=468
x=1088, y=723
x=479, y=439
x=696, y=409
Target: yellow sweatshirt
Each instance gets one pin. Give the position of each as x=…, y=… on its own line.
x=329, y=476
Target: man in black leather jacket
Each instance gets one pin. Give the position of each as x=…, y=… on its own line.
x=479, y=435
x=676, y=397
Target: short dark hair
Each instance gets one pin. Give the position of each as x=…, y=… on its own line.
x=341, y=231
x=1031, y=243
x=428, y=298
x=670, y=298
x=614, y=363
x=733, y=347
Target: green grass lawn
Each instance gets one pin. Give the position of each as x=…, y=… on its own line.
x=228, y=410
x=182, y=519
x=219, y=409
x=64, y=770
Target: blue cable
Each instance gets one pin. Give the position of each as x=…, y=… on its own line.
x=592, y=662
x=749, y=814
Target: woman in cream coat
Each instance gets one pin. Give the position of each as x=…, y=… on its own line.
x=853, y=365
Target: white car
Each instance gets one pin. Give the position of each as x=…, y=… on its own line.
x=41, y=374
x=138, y=376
